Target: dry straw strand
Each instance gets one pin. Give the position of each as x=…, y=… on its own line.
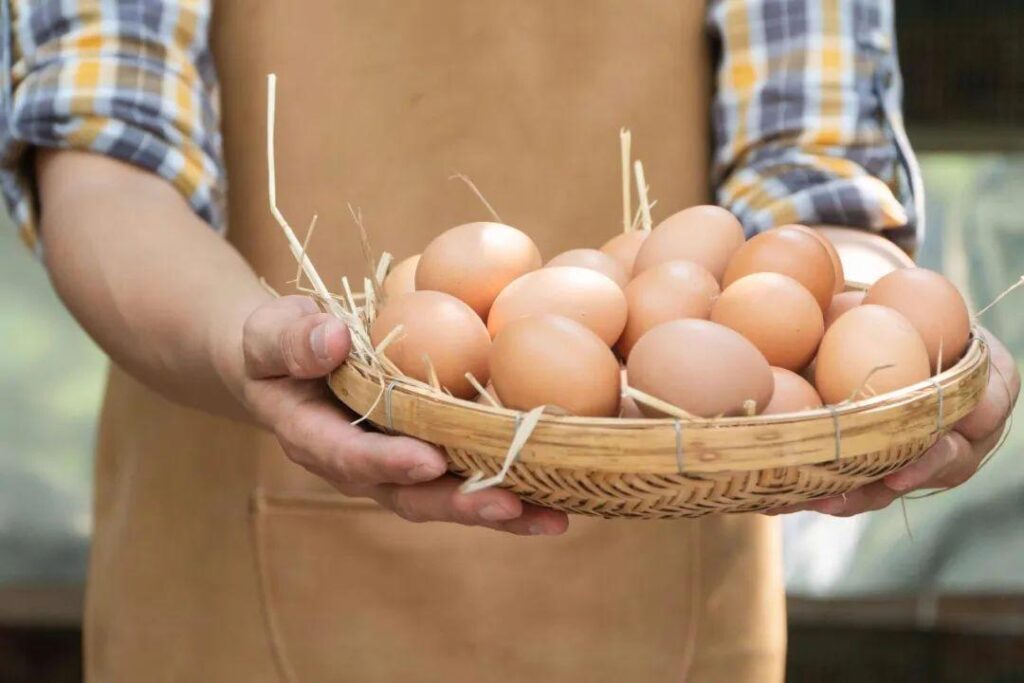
x=524, y=429
x=1006, y=292
x=480, y=389
x=305, y=248
x=479, y=195
x=642, y=189
x=625, y=149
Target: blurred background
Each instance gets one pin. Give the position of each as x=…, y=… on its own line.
x=933, y=591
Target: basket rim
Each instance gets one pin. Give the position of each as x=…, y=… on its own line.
x=654, y=445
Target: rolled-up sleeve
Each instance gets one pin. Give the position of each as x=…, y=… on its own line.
x=133, y=80
x=807, y=116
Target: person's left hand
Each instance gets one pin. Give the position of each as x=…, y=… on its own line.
x=952, y=460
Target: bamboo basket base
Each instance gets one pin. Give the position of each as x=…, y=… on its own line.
x=669, y=496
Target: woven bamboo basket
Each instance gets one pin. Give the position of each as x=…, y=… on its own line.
x=665, y=468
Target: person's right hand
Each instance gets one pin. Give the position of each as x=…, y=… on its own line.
x=289, y=346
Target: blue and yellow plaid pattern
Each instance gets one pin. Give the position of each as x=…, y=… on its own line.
x=806, y=115
x=132, y=79
x=806, y=108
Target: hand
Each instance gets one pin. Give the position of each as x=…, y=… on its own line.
x=289, y=346
x=952, y=460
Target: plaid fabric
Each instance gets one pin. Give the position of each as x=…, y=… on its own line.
x=807, y=116
x=132, y=79
x=806, y=109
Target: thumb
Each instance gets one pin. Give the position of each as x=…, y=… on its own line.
x=290, y=337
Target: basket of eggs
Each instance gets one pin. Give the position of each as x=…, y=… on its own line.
x=678, y=370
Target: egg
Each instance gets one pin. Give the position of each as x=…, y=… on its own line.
x=667, y=291
x=624, y=246
x=837, y=263
x=789, y=252
x=841, y=303
x=402, y=278
x=861, y=340
x=792, y=394
x=932, y=304
x=594, y=260
x=441, y=327
x=475, y=261
x=554, y=361
x=776, y=313
x=706, y=235
x=702, y=367
x=581, y=294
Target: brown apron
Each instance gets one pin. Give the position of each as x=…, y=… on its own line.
x=217, y=560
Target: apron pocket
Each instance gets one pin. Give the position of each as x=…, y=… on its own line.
x=351, y=592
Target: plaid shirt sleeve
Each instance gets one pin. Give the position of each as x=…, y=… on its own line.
x=807, y=116
x=131, y=80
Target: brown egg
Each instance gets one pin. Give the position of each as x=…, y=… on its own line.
x=439, y=326
x=776, y=313
x=624, y=246
x=792, y=394
x=581, y=294
x=554, y=361
x=841, y=303
x=402, y=278
x=790, y=252
x=932, y=304
x=594, y=260
x=837, y=263
x=475, y=261
x=700, y=366
x=667, y=291
x=706, y=235
x=863, y=339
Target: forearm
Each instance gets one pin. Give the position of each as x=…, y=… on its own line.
x=158, y=290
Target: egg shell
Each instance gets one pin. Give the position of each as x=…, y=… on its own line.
x=792, y=394
x=402, y=277
x=700, y=366
x=552, y=360
x=475, y=261
x=789, y=252
x=841, y=303
x=595, y=260
x=667, y=291
x=863, y=339
x=933, y=305
x=776, y=313
x=442, y=327
x=706, y=235
x=581, y=294
x=837, y=263
x=624, y=247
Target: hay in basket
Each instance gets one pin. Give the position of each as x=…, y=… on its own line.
x=678, y=466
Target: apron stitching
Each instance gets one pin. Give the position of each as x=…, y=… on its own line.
x=277, y=649
x=690, y=644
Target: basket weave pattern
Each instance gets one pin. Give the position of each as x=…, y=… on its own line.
x=668, y=468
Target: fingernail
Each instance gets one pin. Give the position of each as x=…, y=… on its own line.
x=536, y=530
x=318, y=341
x=917, y=472
x=423, y=472
x=492, y=512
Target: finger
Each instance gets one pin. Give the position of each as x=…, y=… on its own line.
x=874, y=496
x=441, y=501
x=965, y=466
x=946, y=450
x=1000, y=393
x=290, y=336
x=1005, y=364
x=317, y=436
